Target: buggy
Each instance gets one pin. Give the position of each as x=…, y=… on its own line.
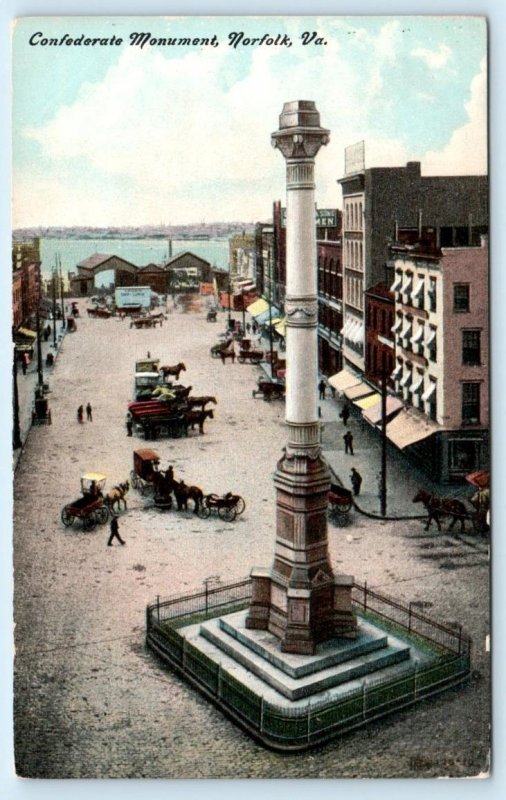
x=90, y=507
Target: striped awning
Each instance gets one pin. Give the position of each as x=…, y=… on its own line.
x=280, y=327
x=26, y=333
x=409, y=427
x=360, y=390
x=373, y=415
x=269, y=314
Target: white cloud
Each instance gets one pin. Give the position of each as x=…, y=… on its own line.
x=466, y=151
x=435, y=59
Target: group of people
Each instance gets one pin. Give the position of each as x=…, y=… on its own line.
x=89, y=413
x=344, y=414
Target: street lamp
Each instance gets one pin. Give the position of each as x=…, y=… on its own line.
x=39, y=353
x=229, y=287
x=61, y=297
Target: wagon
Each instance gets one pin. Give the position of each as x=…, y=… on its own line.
x=90, y=507
x=228, y=507
x=254, y=356
x=146, y=463
x=41, y=413
x=340, y=500
x=270, y=390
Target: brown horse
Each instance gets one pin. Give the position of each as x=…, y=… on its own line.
x=117, y=496
x=438, y=507
x=174, y=370
x=183, y=493
x=201, y=402
x=193, y=418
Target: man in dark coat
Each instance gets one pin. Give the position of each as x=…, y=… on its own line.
x=348, y=442
x=345, y=415
x=321, y=389
x=356, y=481
x=89, y=415
x=114, y=532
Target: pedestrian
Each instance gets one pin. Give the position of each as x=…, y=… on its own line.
x=321, y=389
x=345, y=414
x=129, y=426
x=356, y=480
x=254, y=327
x=248, y=327
x=348, y=442
x=89, y=415
x=114, y=532
x=80, y=412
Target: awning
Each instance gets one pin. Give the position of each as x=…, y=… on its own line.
x=407, y=284
x=263, y=317
x=26, y=333
x=396, y=285
x=396, y=373
x=257, y=307
x=397, y=326
x=360, y=390
x=373, y=414
x=342, y=380
x=274, y=321
x=480, y=479
x=418, y=288
x=418, y=335
x=407, y=379
x=357, y=334
x=280, y=327
x=418, y=386
x=406, y=331
x=368, y=402
x=409, y=427
x=429, y=391
x=431, y=337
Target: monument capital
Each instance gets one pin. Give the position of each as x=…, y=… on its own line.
x=300, y=135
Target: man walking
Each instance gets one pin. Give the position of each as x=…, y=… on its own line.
x=89, y=415
x=356, y=481
x=345, y=415
x=80, y=412
x=321, y=389
x=114, y=532
x=348, y=442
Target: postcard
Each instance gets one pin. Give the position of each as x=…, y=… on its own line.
x=250, y=370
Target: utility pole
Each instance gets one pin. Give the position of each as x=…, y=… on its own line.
x=61, y=296
x=54, y=306
x=383, y=485
x=40, y=376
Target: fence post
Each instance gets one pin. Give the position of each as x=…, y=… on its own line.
x=409, y=617
x=158, y=607
x=309, y=721
x=415, y=687
x=460, y=640
x=261, y=715
x=363, y=700
x=219, y=682
x=365, y=595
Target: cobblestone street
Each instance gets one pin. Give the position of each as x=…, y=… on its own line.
x=90, y=700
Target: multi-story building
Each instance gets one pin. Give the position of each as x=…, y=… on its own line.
x=241, y=255
x=26, y=281
x=380, y=345
x=379, y=201
x=330, y=308
x=441, y=338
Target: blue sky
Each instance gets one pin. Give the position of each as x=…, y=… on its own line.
x=114, y=135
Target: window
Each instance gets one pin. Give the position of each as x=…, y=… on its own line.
x=471, y=348
x=432, y=294
x=470, y=403
x=461, y=298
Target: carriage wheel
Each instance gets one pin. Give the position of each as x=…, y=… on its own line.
x=343, y=508
x=228, y=514
x=239, y=506
x=102, y=515
x=89, y=521
x=66, y=517
x=204, y=511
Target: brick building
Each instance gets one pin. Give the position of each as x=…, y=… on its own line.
x=26, y=282
x=380, y=345
x=330, y=308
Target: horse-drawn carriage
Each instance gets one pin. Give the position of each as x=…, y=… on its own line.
x=253, y=356
x=90, y=508
x=340, y=500
x=99, y=312
x=270, y=390
x=146, y=463
x=41, y=413
x=146, y=322
x=219, y=348
x=228, y=506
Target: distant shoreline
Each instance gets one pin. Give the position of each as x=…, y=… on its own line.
x=212, y=231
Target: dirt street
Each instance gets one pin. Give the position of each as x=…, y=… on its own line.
x=90, y=700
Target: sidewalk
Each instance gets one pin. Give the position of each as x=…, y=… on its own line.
x=27, y=384
x=403, y=478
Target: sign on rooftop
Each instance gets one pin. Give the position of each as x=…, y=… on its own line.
x=354, y=158
x=325, y=217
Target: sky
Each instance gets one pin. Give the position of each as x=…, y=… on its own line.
x=123, y=135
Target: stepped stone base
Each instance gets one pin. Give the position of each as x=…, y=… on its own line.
x=302, y=676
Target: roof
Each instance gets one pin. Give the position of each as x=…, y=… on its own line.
x=151, y=268
x=172, y=261
x=98, y=259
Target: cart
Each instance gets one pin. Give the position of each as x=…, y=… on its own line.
x=41, y=413
x=90, y=507
x=228, y=507
x=146, y=463
x=340, y=500
x=253, y=356
x=270, y=390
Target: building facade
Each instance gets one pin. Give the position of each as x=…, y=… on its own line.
x=442, y=354
x=26, y=288
x=330, y=307
x=379, y=339
x=379, y=201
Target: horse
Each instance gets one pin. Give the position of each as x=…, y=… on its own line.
x=174, y=370
x=442, y=507
x=224, y=354
x=196, y=402
x=193, y=418
x=117, y=495
x=183, y=493
x=163, y=481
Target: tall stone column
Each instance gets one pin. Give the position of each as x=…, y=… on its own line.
x=299, y=599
